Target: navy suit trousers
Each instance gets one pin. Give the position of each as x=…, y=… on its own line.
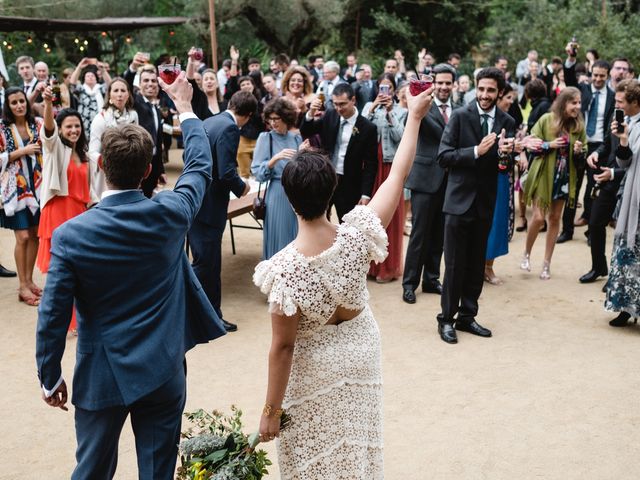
x=205, y=242
x=155, y=419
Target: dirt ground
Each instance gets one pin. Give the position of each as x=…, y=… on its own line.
x=552, y=395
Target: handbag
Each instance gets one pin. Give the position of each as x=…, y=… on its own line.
x=260, y=203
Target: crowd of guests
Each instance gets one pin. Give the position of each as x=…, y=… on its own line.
x=565, y=131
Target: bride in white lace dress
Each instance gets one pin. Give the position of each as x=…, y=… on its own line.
x=324, y=362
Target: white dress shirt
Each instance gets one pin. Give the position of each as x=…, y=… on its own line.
x=490, y=121
x=598, y=136
x=343, y=140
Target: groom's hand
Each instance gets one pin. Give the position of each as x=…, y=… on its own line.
x=59, y=397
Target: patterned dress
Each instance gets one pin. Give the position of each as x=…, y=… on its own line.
x=334, y=393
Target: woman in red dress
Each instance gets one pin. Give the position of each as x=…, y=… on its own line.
x=389, y=117
x=65, y=190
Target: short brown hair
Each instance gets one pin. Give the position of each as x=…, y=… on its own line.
x=243, y=103
x=283, y=108
x=129, y=104
x=126, y=152
x=24, y=59
x=631, y=89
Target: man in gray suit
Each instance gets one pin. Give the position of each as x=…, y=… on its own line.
x=427, y=182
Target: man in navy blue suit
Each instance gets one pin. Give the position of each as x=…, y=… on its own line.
x=205, y=236
x=139, y=305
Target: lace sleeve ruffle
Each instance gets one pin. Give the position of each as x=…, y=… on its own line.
x=268, y=277
x=368, y=223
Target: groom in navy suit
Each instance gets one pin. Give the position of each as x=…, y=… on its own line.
x=139, y=306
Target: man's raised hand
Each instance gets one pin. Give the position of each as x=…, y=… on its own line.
x=180, y=91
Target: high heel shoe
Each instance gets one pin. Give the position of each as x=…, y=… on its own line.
x=622, y=320
x=523, y=226
x=546, y=271
x=525, y=264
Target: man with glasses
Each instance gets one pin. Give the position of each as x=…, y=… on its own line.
x=352, y=143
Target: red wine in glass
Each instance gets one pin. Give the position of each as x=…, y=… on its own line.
x=417, y=86
x=169, y=72
x=198, y=54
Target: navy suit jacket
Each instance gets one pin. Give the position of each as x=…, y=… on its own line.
x=471, y=181
x=224, y=137
x=139, y=305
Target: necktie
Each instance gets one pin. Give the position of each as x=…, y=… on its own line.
x=336, y=149
x=592, y=120
x=443, y=107
x=485, y=124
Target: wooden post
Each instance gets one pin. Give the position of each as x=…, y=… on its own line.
x=214, y=40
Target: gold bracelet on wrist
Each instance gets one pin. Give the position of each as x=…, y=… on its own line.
x=269, y=411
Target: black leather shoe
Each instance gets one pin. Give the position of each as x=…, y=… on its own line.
x=473, y=327
x=432, y=288
x=447, y=333
x=604, y=288
x=564, y=237
x=592, y=276
x=621, y=320
x=6, y=273
x=228, y=326
x=408, y=295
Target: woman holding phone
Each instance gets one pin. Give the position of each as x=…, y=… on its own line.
x=558, y=147
x=389, y=117
x=21, y=173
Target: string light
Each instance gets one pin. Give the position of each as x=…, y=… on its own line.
x=81, y=48
x=86, y=42
x=172, y=33
x=48, y=50
x=128, y=39
x=29, y=39
x=46, y=45
x=77, y=40
x=104, y=34
x=9, y=46
x=4, y=43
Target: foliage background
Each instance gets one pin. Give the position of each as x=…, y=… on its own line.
x=374, y=28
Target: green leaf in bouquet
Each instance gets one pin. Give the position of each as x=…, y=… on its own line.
x=230, y=444
x=216, y=456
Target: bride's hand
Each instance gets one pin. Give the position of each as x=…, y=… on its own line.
x=419, y=105
x=269, y=428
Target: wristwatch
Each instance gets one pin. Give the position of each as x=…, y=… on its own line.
x=545, y=146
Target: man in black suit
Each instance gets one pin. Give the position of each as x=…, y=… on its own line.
x=364, y=88
x=597, y=108
x=427, y=182
x=608, y=176
x=352, y=143
x=146, y=104
x=205, y=236
x=470, y=150
x=348, y=73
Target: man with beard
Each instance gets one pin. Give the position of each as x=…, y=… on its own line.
x=474, y=140
x=427, y=182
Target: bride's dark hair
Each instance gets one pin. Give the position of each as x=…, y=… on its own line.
x=309, y=180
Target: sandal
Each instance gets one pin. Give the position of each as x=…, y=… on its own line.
x=36, y=290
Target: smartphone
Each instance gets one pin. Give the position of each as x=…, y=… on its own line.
x=384, y=90
x=619, y=116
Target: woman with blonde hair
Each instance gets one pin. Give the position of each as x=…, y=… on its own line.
x=557, y=148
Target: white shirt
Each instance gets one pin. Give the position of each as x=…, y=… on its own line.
x=447, y=103
x=490, y=121
x=343, y=141
x=222, y=80
x=235, y=120
x=28, y=87
x=598, y=136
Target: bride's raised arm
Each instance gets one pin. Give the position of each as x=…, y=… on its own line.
x=385, y=201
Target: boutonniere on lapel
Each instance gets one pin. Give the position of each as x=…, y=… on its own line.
x=355, y=131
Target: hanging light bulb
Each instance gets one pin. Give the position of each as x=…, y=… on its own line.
x=172, y=32
x=4, y=43
x=29, y=39
x=48, y=50
x=86, y=42
x=77, y=40
x=10, y=46
x=104, y=34
x=46, y=45
x=128, y=39
x=81, y=48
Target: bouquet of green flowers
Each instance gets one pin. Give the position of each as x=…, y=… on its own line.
x=215, y=448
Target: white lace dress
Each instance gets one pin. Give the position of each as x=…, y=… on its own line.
x=334, y=394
